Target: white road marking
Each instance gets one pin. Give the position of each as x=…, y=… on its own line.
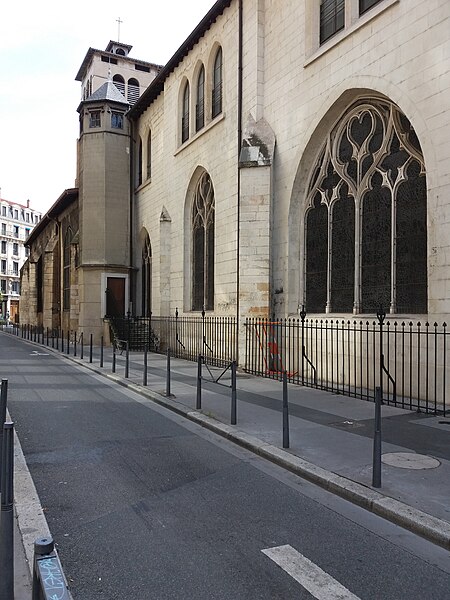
x=36, y=353
x=318, y=583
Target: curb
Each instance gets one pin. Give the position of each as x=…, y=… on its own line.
x=431, y=528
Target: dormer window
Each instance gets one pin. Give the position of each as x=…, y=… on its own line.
x=120, y=51
x=94, y=119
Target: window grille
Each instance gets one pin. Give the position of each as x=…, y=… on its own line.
x=203, y=217
x=133, y=91
x=217, y=85
x=119, y=82
x=332, y=18
x=365, y=222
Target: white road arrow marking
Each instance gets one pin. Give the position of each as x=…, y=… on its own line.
x=318, y=583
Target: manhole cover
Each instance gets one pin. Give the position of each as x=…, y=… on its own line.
x=409, y=460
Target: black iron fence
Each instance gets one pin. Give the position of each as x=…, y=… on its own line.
x=409, y=361
x=187, y=337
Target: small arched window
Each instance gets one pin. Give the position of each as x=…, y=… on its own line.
x=200, y=105
x=217, y=85
x=133, y=90
x=66, y=269
x=149, y=155
x=139, y=163
x=185, y=115
x=119, y=82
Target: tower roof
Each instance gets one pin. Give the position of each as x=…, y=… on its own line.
x=109, y=92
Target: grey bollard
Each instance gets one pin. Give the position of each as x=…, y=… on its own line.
x=144, y=377
x=114, y=359
x=168, y=394
x=101, y=352
x=376, y=471
x=233, y=394
x=7, y=514
x=90, y=348
x=82, y=345
x=285, y=412
x=127, y=360
x=198, y=402
x=3, y=401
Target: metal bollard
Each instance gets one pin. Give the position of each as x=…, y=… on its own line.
x=75, y=343
x=285, y=412
x=62, y=341
x=68, y=341
x=47, y=336
x=144, y=379
x=90, y=349
x=3, y=402
x=233, y=394
x=168, y=394
x=57, y=339
x=82, y=345
x=113, y=368
x=7, y=514
x=101, y=352
x=376, y=471
x=48, y=578
x=127, y=359
x=198, y=403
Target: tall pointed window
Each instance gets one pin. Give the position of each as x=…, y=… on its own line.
x=217, y=85
x=146, y=273
x=66, y=269
x=366, y=217
x=185, y=114
x=200, y=105
x=149, y=155
x=203, y=216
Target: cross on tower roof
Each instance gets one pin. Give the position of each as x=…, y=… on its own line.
x=118, y=21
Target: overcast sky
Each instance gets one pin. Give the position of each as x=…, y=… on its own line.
x=42, y=45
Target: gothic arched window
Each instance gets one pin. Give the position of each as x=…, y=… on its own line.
x=365, y=222
x=203, y=210
x=66, y=269
x=146, y=273
x=185, y=114
x=200, y=105
x=149, y=155
x=217, y=85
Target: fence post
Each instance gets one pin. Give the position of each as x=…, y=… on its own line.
x=144, y=382
x=381, y=315
x=113, y=368
x=7, y=515
x=198, y=403
x=285, y=412
x=376, y=471
x=233, y=394
x=168, y=394
x=101, y=352
x=302, y=317
x=90, y=349
x=127, y=359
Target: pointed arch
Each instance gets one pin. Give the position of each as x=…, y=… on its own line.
x=217, y=81
x=66, y=269
x=146, y=274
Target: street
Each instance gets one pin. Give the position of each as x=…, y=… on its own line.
x=145, y=504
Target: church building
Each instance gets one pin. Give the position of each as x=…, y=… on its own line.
x=291, y=155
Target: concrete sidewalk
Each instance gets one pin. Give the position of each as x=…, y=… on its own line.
x=331, y=436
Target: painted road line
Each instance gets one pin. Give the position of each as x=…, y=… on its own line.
x=318, y=583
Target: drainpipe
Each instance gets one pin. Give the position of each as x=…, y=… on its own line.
x=130, y=271
x=239, y=130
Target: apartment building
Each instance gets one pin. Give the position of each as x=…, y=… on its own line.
x=16, y=223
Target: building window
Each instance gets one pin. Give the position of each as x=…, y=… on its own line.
x=15, y=287
x=133, y=90
x=15, y=267
x=16, y=215
x=27, y=217
x=139, y=173
x=365, y=5
x=366, y=217
x=22, y=215
x=94, y=119
x=149, y=155
x=119, y=82
x=66, y=269
x=27, y=232
x=27, y=251
x=332, y=18
x=185, y=115
x=3, y=228
x=217, y=85
x=146, y=277
x=3, y=247
x=16, y=249
x=3, y=211
x=3, y=286
x=3, y=267
x=39, y=285
x=10, y=212
x=203, y=217
x=200, y=105
x=16, y=231
x=116, y=120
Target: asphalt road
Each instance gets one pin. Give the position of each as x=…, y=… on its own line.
x=145, y=505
